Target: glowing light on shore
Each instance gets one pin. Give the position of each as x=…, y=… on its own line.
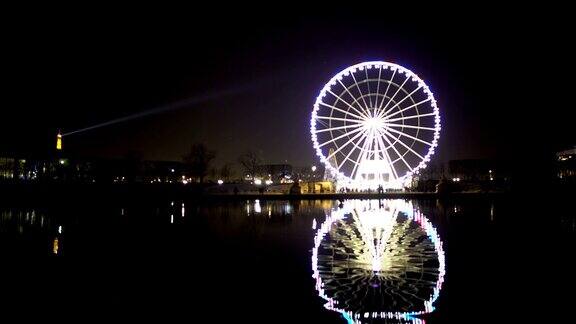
x=55, y=246
x=257, y=207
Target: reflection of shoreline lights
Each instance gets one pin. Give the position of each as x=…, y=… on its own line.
x=257, y=207
x=55, y=246
x=411, y=215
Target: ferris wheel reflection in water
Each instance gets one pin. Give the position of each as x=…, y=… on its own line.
x=378, y=260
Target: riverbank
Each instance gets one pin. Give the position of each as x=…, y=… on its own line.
x=55, y=193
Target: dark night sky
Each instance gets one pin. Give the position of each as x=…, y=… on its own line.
x=502, y=80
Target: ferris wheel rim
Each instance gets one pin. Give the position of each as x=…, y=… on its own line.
x=361, y=113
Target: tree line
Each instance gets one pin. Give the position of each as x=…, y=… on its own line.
x=199, y=161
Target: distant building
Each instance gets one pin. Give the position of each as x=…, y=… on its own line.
x=7, y=168
x=286, y=173
x=479, y=170
x=20, y=168
x=84, y=170
x=317, y=187
x=274, y=172
x=566, y=164
x=310, y=173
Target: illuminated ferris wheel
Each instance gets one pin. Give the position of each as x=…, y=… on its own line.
x=375, y=123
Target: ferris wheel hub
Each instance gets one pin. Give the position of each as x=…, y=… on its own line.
x=374, y=123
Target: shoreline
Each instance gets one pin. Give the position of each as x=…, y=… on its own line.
x=59, y=193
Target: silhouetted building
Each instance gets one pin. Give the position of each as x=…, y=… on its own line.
x=479, y=170
x=274, y=172
x=310, y=173
x=84, y=170
x=566, y=164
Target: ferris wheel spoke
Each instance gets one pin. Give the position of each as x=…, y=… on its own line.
x=360, y=91
x=408, y=117
x=368, y=85
x=410, y=126
x=408, y=135
x=339, y=119
x=341, y=136
x=348, y=104
x=364, y=111
x=372, y=146
x=366, y=148
x=321, y=122
x=342, y=110
x=394, y=95
x=378, y=86
x=343, y=146
x=403, y=144
x=328, y=125
x=385, y=151
x=360, y=156
x=378, y=148
x=387, y=88
x=385, y=116
x=350, y=153
x=384, y=113
x=400, y=156
x=337, y=128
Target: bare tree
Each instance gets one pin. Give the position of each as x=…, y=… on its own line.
x=226, y=172
x=198, y=160
x=213, y=174
x=250, y=161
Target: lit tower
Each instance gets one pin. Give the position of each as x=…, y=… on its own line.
x=59, y=141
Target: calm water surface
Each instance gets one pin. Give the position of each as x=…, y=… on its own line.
x=392, y=261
